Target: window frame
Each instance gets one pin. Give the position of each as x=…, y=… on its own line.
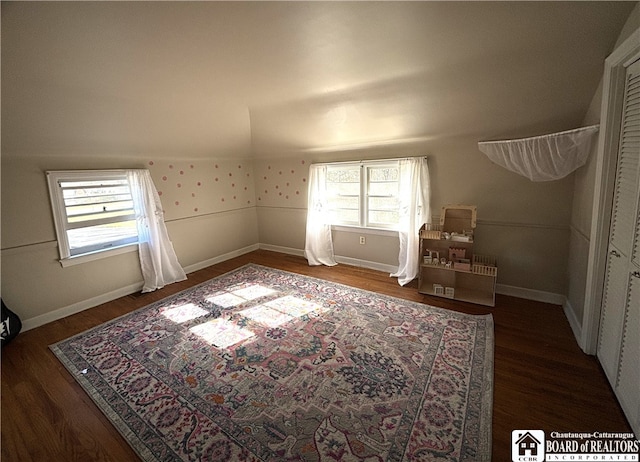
x=364, y=221
x=346, y=167
x=58, y=207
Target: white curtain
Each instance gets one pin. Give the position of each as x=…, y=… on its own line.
x=414, y=211
x=157, y=258
x=318, y=246
x=542, y=158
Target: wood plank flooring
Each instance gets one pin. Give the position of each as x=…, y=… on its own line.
x=542, y=378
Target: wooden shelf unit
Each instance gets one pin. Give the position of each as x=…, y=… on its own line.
x=476, y=282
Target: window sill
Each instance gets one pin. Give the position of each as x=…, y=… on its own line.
x=87, y=257
x=360, y=230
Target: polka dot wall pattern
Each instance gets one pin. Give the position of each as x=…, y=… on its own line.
x=199, y=187
x=282, y=183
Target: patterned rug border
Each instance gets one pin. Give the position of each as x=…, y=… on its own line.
x=484, y=446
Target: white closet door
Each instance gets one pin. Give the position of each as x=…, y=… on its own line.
x=625, y=201
x=619, y=336
x=628, y=387
x=612, y=318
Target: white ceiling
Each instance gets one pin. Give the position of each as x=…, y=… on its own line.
x=219, y=79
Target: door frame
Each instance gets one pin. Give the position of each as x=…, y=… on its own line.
x=607, y=155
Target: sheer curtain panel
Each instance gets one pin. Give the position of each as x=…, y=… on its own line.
x=157, y=258
x=414, y=211
x=318, y=248
x=542, y=158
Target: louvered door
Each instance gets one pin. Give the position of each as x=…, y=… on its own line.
x=613, y=307
x=619, y=337
x=628, y=381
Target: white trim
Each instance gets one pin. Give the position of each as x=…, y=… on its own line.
x=281, y=249
x=25, y=248
x=610, y=119
x=220, y=258
x=502, y=289
x=92, y=302
x=208, y=215
x=530, y=294
x=74, y=308
x=364, y=167
x=511, y=224
x=388, y=160
x=631, y=60
x=570, y=313
x=367, y=264
x=83, y=258
x=60, y=219
x=340, y=259
x=361, y=230
x=71, y=261
x=520, y=292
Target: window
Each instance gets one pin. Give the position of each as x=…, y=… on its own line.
x=93, y=211
x=364, y=194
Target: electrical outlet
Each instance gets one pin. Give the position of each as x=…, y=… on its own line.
x=362, y=241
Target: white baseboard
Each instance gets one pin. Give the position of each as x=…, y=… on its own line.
x=220, y=258
x=65, y=311
x=281, y=249
x=74, y=308
x=546, y=297
x=530, y=294
x=60, y=313
x=576, y=327
x=367, y=264
x=340, y=259
x=520, y=292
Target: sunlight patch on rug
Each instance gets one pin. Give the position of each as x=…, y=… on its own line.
x=262, y=364
x=221, y=333
x=183, y=313
x=280, y=311
x=236, y=295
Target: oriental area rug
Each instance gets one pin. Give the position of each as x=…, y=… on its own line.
x=265, y=365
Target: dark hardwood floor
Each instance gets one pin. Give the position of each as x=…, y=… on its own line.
x=542, y=379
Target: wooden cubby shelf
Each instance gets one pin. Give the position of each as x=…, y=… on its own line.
x=459, y=274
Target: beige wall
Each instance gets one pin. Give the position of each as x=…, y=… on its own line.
x=218, y=207
x=525, y=224
x=209, y=209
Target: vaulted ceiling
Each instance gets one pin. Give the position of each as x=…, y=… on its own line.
x=207, y=79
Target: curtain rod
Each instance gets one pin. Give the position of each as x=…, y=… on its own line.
x=391, y=159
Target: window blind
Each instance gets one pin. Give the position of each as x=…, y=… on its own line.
x=93, y=211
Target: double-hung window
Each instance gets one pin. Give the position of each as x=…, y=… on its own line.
x=93, y=211
x=364, y=194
